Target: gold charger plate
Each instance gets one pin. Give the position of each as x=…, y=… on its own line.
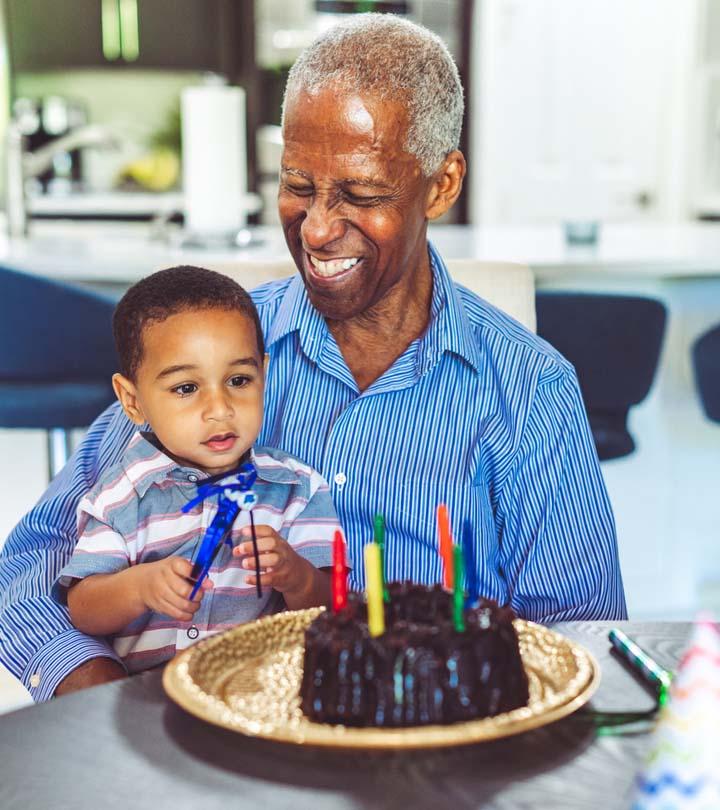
x=247, y=680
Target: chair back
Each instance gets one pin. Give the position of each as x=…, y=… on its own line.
x=506, y=285
x=50, y=331
x=57, y=353
x=614, y=343
x=706, y=362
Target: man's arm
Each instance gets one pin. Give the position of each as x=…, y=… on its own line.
x=38, y=643
x=557, y=533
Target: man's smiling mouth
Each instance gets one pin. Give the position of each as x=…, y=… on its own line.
x=332, y=267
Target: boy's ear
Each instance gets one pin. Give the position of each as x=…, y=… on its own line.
x=266, y=362
x=126, y=392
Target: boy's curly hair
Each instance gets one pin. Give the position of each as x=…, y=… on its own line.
x=168, y=292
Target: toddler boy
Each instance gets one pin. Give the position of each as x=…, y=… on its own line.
x=192, y=362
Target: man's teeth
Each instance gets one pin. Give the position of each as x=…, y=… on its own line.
x=333, y=267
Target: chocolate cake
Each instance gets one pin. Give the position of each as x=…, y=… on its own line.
x=420, y=671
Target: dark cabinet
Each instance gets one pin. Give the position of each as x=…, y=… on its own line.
x=182, y=34
x=169, y=34
x=45, y=36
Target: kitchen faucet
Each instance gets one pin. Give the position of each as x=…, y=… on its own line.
x=22, y=165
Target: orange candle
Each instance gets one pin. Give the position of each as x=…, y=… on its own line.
x=446, y=545
x=339, y=574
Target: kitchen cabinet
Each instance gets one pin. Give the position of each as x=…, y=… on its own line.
x=168, y=34
x=43, y=35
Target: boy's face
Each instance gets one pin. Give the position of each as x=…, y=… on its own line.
x=200, y=387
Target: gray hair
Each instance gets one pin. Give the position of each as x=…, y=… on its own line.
x=392, y=59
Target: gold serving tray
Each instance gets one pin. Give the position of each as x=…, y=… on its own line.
x=247, y=680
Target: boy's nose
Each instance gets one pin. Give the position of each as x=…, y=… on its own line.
x=218, y=406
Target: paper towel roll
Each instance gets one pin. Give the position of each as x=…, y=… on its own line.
x=214, y=159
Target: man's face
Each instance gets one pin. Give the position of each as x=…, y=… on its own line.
x=352, y=202
x=200, y=387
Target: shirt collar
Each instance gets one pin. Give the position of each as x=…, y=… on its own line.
x=449, y=329
x=297, y=314
x=146, y=463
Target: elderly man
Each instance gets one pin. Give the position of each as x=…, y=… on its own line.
x=402, y=388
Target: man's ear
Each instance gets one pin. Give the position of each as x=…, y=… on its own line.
x=446, y=185
x=126, y=392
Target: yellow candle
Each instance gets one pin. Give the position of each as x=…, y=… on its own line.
x=373, y=589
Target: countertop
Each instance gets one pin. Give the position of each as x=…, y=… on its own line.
x=125, y=252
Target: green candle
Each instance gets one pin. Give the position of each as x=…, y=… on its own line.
x=458, y=589
x=380, y=540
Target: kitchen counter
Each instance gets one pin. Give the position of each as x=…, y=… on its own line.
x=125, y=252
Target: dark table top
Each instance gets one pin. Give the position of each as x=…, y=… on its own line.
x=125, y=745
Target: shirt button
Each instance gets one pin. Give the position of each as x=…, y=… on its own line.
x=340, y=479
x=192, y=478
x=35, y=680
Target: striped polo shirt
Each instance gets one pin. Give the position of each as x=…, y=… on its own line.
x=134, y=516
x=477, y=412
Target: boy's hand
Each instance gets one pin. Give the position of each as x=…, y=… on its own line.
x=281, y=566
x=164, y=587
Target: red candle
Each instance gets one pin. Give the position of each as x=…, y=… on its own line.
x=446, y=545
x=339, y=574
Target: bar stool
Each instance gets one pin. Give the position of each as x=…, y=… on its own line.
x=57, y=356
x=706, y=361
x=614, y=343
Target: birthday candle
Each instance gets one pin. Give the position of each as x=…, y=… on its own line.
x=458, y=590
x=446, y=551
x=470, y=567
x=380, y=540
x=373, y=589
x=339, y=574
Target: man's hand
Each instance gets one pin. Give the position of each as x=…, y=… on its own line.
x=283, y=569
x=164, y=587
x=91, y=673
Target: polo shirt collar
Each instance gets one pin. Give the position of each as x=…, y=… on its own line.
x=146, y=463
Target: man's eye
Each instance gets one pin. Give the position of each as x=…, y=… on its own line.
x=185, y=389
x=299, y=191
x=240, y=381
x=354, y=199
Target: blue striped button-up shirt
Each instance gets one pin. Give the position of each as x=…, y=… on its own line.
x=477, y=413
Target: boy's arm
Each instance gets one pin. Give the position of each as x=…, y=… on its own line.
x=311, y=537
x=38, y=643
x=315, y=590
x=102, y=604
x=297, y=567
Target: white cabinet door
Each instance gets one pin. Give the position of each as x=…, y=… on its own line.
x=579, y=108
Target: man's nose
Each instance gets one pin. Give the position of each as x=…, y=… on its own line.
x=217, y=405
x=323, y=224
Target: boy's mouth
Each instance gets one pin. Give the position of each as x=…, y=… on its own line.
x=221, y=442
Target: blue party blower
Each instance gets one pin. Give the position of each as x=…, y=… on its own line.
x=235, y=495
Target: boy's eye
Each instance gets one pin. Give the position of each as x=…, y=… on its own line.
x=185, y=389
x=239, y=381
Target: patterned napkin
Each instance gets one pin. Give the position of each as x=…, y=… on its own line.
x=683, y=767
